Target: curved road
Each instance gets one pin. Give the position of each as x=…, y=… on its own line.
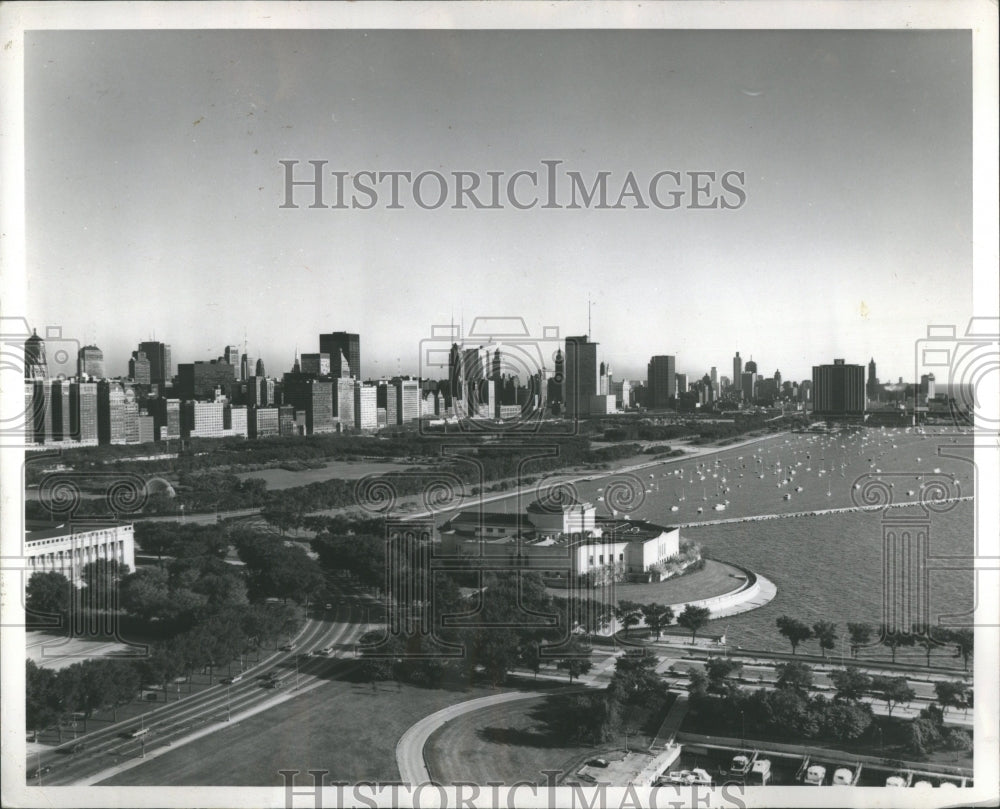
x=410, y=747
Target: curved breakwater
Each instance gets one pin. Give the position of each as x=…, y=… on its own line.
x=817, y=513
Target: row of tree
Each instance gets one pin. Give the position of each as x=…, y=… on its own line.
x=862, y=635
x=659, y=616
x=790, y=710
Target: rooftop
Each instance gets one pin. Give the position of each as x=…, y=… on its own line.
x=35, y=530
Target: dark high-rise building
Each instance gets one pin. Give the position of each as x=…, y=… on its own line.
x=342, y=342
x=660, y=381
x=259, y=370
x=35, y=366
x=838, y=389
x=738, y=374
x=456, y=377
x=138, y=368
x=750, y=368
x=497, y=366
x=580, y=375
x=62, y=428
x=161, y=368
x=90, y=362
x=748, y=384
x=872, y=385
x=312, y=396
x=246, y=367
x=198, y=380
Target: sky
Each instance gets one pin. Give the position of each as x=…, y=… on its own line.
x=154, y=191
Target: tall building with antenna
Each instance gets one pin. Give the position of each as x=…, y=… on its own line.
x=580, y=375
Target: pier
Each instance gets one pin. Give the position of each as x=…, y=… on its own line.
x=817, y=513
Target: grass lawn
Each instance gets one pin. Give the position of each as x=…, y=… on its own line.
x=343, y=727
x=503, y=743
x=342, y=470
x=513, y=742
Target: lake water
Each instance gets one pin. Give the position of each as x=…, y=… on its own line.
x=826, y=567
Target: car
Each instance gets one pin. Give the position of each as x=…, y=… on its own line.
x=271, y=675
x=37, y=771
x=272, y=684
x=329, y=606
x=230, y=680
x=597, y=762
x=288, y=647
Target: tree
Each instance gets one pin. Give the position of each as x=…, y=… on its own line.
x=794, y=630
x=628, y=614
x=851, y=683
x=574, y=666
x=894, y=639
x=892, y=690
x=860, y=635
x=694, y=618
x=964, y=641
x=718, y=671
x=697, y=683
x=925, y=636
x=635, y=679
x=846, y=720
x=531, y=657
x=794, y=676
x=657, y=616
x=42, y=697
x=48, y=593
x=826, y=633
x=952, y=694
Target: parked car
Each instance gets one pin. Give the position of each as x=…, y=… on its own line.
x=288, y=647
x=597, y=762
x=45, y=768
x=230, y=680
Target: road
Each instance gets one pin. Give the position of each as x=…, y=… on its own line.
x=112, y=748
x=410, y=747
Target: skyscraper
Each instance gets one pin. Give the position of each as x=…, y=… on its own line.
x=738, y=374
x=580, y=375
x=90, y=362
x=246, y=367
x=838, y=389
x=259, y=370
x=231, y=354
x=660, y=381
x=35, y=366
x=342, y=342
x=316, y=364
x=680, y=384
x=138, y=368
x=160, y=367
x=872, y=385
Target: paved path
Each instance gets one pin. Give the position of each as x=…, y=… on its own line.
x=410, y=747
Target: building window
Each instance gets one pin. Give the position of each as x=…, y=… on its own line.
x=602, y=558
x=591, y=561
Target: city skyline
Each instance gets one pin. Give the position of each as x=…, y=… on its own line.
x=855, y=147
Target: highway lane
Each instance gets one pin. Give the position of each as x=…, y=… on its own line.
x=168, y=723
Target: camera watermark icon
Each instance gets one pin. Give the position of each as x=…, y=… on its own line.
x=496, y=379
x=958, y=375
x=41, y=365
x=78, y=538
